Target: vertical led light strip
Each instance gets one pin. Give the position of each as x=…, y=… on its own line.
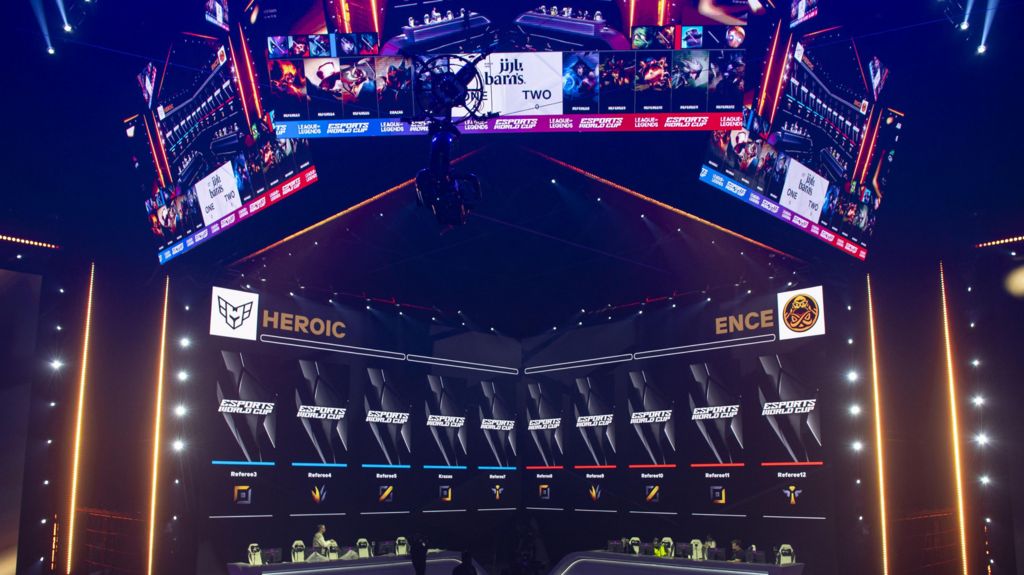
x=80, y=412
x=157, y=417
x=954, y=420
x=879, y=455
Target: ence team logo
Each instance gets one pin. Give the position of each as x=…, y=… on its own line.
x=233, y=313
x=801, y=313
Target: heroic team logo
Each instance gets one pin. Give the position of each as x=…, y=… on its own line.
x=234, y=316
x=800, y=313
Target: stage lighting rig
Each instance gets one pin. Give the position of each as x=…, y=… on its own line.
x=444, y=84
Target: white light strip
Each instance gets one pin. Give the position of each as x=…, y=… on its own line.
x=241, y=516
x=465, y=364
x=444, y=510
x=706, y=346
x=335, y=347
x=546, y=508
x=654, y=512
x=596, y=510
x=384, y=513
x=794, y=517
x=498, y=509
x=634, y=566
x=578, y=363
x=316, y=514
x=717, y=515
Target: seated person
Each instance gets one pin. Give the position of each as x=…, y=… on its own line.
x=466, y=567
x=739, y=555
x=319, y=542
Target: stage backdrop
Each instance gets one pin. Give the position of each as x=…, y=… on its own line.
x=721, y=413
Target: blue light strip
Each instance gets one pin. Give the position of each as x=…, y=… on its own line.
x=445, y=467
x=244, y=463
x=383, y=466
x=333, y=465
x=495, y=468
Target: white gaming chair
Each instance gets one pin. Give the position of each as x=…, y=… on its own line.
x=786, y=555
x=697, y=550
x=669, y=545
x=401, y=546
x=298, y=552
x=634, y=546
x=255, y=555
x=332, y=550
x=363, y=549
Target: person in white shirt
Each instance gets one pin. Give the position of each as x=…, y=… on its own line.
x=319, y=542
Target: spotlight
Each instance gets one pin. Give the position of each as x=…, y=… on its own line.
x=188, y=307
x=982, y=439
x=56, y=364
x=59, y=328
x=988, y=520
x=67, y=27
x=43, y=521
x=51, y=51
x=553, y=181
x=178, y=445
x=46, y=482
x=965, y=25
x=709, y=299
x=852, y=376
x=49, y=442
x=975, y=362
x=177, y=481
x=985, y=479
x=185, y=342
x=858, y=482
x=53, y=404
x=982, y=49
x=180, y=410
x=857, y=446
x=978, y=400
x=183, y=375
x=855, y=410
x=850, y=341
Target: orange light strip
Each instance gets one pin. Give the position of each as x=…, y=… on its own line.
x=661, y=12
x=1002, y=242
x=252, y=78
x=871, y=149
x=954, y=400
x=376, y=22
x=768, y=70
x=163, y=73
x=156, y=159
x=663, y=205
x=157, y=417
x=27, y=242
x=53, y=545
x=344, y=212
x=782, y=77
x=864, y=137
x=632, y=14
x=879, y=455
x=163, y=150
x=238, y=80
x=80, y=413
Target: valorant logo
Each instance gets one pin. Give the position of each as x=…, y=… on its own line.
x=718, y=495
x=792, y=493
x=652, y=493
x=234, y=315
x=319, y=494
x=242, y=494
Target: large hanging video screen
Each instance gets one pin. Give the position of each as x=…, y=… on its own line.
x=374, y=422
x=338, y=70
x=814, y=158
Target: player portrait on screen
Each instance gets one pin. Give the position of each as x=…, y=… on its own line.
x=579, y=82
x=726, y=80
x=287, y=93
x=394, y=86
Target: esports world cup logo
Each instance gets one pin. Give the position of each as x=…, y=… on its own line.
x=231, y=313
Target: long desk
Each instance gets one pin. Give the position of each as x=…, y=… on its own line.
x=437, y=564
x=607, y=563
